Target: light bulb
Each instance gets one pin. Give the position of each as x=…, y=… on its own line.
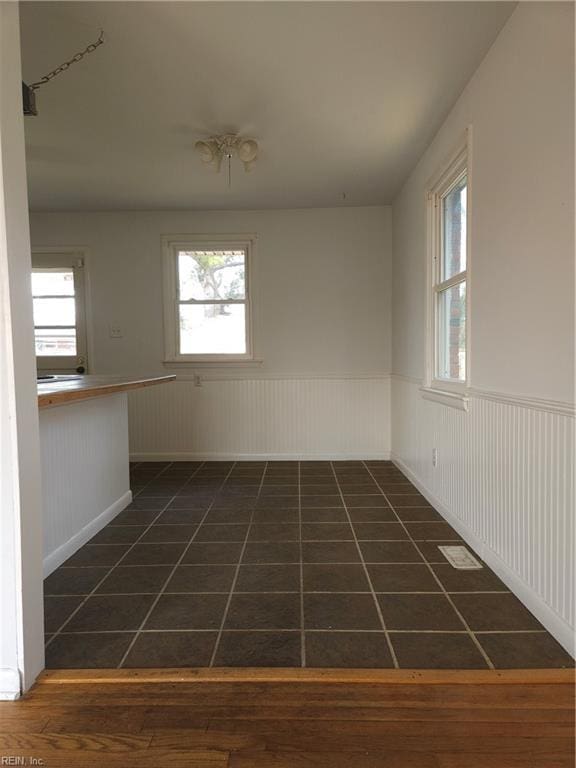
x=247, y=151
x=206, y=150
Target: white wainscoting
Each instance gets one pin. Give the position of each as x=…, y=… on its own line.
x=85, y=478
x=505, y=480
x=269, y=418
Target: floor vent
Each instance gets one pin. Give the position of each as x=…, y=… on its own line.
x=460, y=558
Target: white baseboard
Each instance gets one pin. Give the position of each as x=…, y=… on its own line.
x=9, y=684
x=557, y=627
x=190, y=456
x=66, y=550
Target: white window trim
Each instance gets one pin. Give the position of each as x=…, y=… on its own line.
x=77, y=257
x=445, y=391
x=170, y=246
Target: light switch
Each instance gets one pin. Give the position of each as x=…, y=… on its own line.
x=115, y=331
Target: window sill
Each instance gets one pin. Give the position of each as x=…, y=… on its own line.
x=216, y=363
x=458, y=400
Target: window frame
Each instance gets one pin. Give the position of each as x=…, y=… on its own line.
x=445, y=390
x=171, y=245
x=55, y=258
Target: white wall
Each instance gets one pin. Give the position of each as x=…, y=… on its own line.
x=322, y=296
x=504, y=473
x=21, y=652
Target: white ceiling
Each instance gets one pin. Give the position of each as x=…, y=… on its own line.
x=343, y=98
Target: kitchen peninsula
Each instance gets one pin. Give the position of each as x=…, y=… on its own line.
x=85, y=459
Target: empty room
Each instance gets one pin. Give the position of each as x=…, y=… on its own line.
x=287, y=384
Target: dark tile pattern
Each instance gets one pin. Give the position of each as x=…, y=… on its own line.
x=335, y=578
x=259, y=649
x=348, y=649
x=190, y=611
x=519, y=650
x=340, y=611
x=437, y=650
x=74, y=581
x=322, y=564
x=137, y=579
x=172, y=649
x=500, y=612
x=111, y=613
x=279, y=610
x=88, y=651
x=58, y=610
x=424, y=612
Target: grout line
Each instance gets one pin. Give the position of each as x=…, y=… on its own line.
x=108, y=572
x=367, y=574
x=161, y=592
x=471, y=634
x=234, y=580
x=258, y=541
x=300, y=546
x=265, y=522
x=289, y=592
x=282, y=562
x=310, y=631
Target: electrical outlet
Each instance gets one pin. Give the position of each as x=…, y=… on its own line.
x=197, y=380
x=434, y=457
x=115, y=331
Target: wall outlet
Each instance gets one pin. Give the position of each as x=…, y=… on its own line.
x=115, y=331
x=434, y=457
x=197, y=380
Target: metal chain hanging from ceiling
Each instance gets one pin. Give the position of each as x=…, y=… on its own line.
x=63, y=67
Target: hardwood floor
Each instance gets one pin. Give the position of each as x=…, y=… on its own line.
x=293, y=719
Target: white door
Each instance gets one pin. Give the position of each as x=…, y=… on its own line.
x=59, y=296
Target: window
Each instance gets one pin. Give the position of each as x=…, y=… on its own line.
x=59, y=315
x=448, y=252
x=207, y=299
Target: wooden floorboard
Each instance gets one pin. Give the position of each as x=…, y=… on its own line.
x=294, y=719
x=278, y=675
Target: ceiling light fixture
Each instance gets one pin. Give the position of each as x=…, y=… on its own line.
x=223, y=147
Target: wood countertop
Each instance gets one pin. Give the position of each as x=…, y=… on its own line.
x=60, y=392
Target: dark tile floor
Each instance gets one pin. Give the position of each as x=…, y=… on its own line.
x=318, y=564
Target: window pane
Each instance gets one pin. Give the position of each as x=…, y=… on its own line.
x=55, y=341
x=53, y=282
x=212, y=329
x=454, y=230
x=452, y=333
x=54, y=312
x=211, y=274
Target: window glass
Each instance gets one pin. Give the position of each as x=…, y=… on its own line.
x=53, y=282
x=211, y=274
x=454, y=230
x=451, y=325
x=55, y=342
x=212, y=329
x=54, y=311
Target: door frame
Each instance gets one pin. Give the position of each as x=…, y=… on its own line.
x=21, y=612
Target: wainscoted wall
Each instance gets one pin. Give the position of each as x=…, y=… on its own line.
x=324, y=417
x=504, y=478
x=85, y=480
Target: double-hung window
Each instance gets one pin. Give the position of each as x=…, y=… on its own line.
x=207, y=309
x=448, y=252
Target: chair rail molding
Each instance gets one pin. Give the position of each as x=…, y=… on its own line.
x=565, y=408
